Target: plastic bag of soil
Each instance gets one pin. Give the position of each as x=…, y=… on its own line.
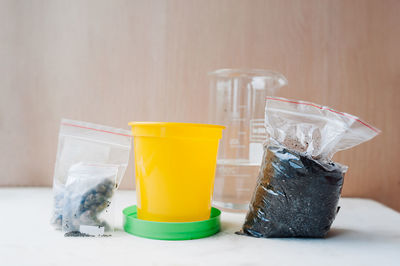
x=91, y=162
x=299, y=186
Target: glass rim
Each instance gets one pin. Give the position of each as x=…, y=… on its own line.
x=242, y=72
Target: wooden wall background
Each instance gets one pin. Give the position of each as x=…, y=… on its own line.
x=111, y=62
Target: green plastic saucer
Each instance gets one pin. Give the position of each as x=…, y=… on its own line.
x=170, y=231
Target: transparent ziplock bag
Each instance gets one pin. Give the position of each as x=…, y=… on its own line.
x=299, y=185
x=83, y=148
x=89, y=190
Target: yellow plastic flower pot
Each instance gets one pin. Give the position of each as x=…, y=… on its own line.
x=175, y=168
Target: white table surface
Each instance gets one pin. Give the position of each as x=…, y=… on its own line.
x=364, y=233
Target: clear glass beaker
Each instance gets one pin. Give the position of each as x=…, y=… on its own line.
x=237, y=101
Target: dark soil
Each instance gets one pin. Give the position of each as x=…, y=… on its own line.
x=296, y=196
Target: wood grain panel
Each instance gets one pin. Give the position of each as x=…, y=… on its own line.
x=111, y=62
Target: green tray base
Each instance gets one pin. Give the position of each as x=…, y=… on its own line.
x=170, y=231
